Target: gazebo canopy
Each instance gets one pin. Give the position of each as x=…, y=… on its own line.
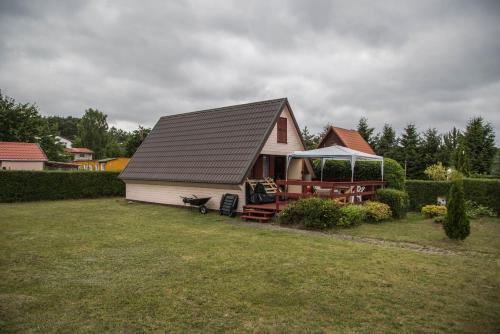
x=336, y=152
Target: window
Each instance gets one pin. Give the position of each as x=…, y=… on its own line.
x=282, y=130
x=81, y=155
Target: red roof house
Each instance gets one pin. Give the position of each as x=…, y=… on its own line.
x=347, y=138
x=21, y=156
x=80, y=153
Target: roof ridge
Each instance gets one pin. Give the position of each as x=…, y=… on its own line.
x=226, y=107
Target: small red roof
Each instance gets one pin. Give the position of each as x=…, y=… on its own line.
x=21, y=151
x=352, y=139
x=79, y=150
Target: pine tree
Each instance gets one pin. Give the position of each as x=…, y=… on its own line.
x=386, y=144
x=495, y=166
x=450, y=143
x=408, y=152
x=430, y=148
x=311, y=141
x=456, y=223
x=365, y=131
x=479, y=140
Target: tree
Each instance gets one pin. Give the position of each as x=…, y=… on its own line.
x=22, y=123
x=386, y=144
x=436, y=172
x=93, y=132
x=449, y=146
x=408, y=152
x=365, y=131
x=479, y=140
x=430, y=147
x=461, y=157
x=135, y=140
x=19, y=122
x=456, y=223
x=311, y=141
x=67, y=127
x=495, y=166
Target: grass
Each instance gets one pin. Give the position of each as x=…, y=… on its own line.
x=108, y=266
x=484, y=237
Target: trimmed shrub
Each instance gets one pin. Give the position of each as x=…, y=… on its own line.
x=485, y=192
x=363, y=170
x=431, y=211
x=21, y=186
x=311, y=213
x=456, y=223
x=377, y=212
x=352, y=215
x=396, y=199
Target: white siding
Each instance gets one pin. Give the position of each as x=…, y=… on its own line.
x=170, y=192
x=272, y=146
x=22, y=165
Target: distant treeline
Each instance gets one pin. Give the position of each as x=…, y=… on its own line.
x=471, y=150
x=22, y=122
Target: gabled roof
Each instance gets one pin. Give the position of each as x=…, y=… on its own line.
x=350, y=139
x=15, y=151
x=209, y=146
x=79, y=150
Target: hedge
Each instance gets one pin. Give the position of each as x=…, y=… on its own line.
x=335, y=170
x=20, y=186
x=482, y=191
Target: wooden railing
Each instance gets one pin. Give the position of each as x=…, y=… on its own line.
x=344, y=192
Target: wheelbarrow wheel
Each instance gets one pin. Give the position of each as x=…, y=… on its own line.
x=203, y=209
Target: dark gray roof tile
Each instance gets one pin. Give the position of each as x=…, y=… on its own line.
x=209, y=146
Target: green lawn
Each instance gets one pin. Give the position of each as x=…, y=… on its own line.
x=108, y=266
x=484, y=237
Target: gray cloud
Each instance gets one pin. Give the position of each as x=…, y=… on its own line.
x=432, y=63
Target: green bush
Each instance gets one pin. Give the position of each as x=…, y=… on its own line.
x=482, y=191
x=456, y=223
x=396, y=199
x=431, y=211
x=475, y=210
x=377, y=212
x=311, y=213
x=20, y=186
x=363, y=170
x=352, y=215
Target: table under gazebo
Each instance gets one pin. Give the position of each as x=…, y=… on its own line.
x=345, y=191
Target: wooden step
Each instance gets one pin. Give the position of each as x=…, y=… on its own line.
x=259, y=218
x=252, y=211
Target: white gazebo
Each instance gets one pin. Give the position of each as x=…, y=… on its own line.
x=335, y=152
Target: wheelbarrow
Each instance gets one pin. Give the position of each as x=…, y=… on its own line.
x=198, y=202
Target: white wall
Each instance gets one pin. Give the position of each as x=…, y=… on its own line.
x=272, y=146
x=86, y=156
x=170, y=192
x=22, y=165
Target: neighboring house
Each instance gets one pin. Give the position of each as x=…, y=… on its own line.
x=56, y=165
x=21, y=156
x=347, y=138
x=65, y=141
x=80, y=153
x=212, y=152
x=110, y=164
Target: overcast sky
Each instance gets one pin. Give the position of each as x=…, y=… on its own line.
x=434, y=63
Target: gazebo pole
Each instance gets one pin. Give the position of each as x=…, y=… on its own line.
x=322, y=166
x=382, y=172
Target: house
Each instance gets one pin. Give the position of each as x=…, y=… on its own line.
x=65, y=141
x=212, y=152
x=21, y=156
x=347, y=138
x=109, y=164
x=80, y=153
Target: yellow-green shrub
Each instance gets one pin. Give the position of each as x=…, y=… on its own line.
x=376, y=211
x=431, y=211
